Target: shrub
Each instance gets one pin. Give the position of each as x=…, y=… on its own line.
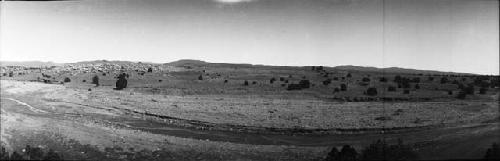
x=371, y=91
x=444, y=80
x=493, y=153
x=450, y=92
x=348, y=75
x=66, y=80
x=225, y=81
x=272, y=80
x=417, y=86
x=245, y=83
x=200, y=77
x=121, y=82
x=84, y=80
x=430, y=78
x=294, y=87
x=383, y=79
x=327, y=82
x=150, y=70
x=483, y=90
x=305, y=83
x=160, y=80
x=343, y=87
x=469, y=89
x=254, y=82
x=336, y=90
x=461, y=95
x=391, y=88
x=406, y=91
x=380, y=150
x=366, y=79
x=95, y=80
x=282, y=79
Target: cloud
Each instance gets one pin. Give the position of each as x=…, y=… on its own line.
x=233, y=1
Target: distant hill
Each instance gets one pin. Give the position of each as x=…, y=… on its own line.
x=393, y=70
x=29, y=63
x=199, y=63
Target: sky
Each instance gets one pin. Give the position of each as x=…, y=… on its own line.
x=445, y=35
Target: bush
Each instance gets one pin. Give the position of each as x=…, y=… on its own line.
x=272, y=80
x=483, y=90
x=380, y=150
x=366, y=79
x=225, y=81
x=383, y=79
x=469, y=89
x=493, y=153
x=245, y=83
x=343, y=87
x=95, y=80
x=348, y=75
x=200, y=77
x=150, y=70
x=391, y=88
x=305, y=83
x=406, y=91
x=327, y=82
x=371, y=91
x=254, y=82
x=294, y=87
x=121, y=82
x=461, y=95
x=66, y=80
x=444, y=80
x=417, y=86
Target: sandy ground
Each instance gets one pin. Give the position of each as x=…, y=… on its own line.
x=90, y=118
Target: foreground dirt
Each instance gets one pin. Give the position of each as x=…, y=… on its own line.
x=41, y=113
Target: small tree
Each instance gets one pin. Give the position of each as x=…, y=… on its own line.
x=391, y=88
x=95, y=80
x=343, y=87
x=417, y=86
x=245, y=83
x=272, y=80
x=371, y=91
x=121, y=82
x=66, y=80
x=200, y=77
x=483, y=90
x=150, y=70
x=493, y=153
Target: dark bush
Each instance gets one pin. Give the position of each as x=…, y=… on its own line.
x=200, y=77
x=294, y=87
x=282, y=79
x=450, y=92
x=348, y=153
x=150, y=70
x=483, y=90
x=272, y=80
x=66, y=80
x=493, y=153
x=245, y=83
x=444, y=80
x=366, y=79
x=371, y=91
x=305, y=83
x=343, y=87
x=416, y=80
x=254, y=82
x=336, y=90
x=383, y=79
x=336, y=78
x=417, y=86
x=95, y=80
x=380, y=150
x=160, y=80
x=327, y=82
x=121, y=82
x=469, y=89
x=348, y=75
x=225, y=81
x=430, y=78
x=391, y=88
x=11, y=74
x=406, y=91
x=51, y=155
x=461, y=95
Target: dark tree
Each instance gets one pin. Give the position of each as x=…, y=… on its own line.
x=469, y=89
x=348, y=75
x=383, y=79
x=336, y=90
x=305, y=83
x=245, y=83
x=417, y=86
x=461, y=95
x=95, y=80
x=272, y=80
x=282, y=79
x=365, y=79
x=430, y=78
x=121, y=82
x=16, y=156
x=160, y=80
x=327, y=82
x=51, y=155
x=371, y=91
x=483, y=90
x=150, y=70
x=343, y=87
x=391, y=88
x=66, y=80
x=200, y=77
x=11, y=74
x=254, y=82
x=380, y=150
x=406, y=91
x=450, y=92
x=444, y=80
x=493, y=153
x=333, y=155
x=225, y=81
x=348, y=154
